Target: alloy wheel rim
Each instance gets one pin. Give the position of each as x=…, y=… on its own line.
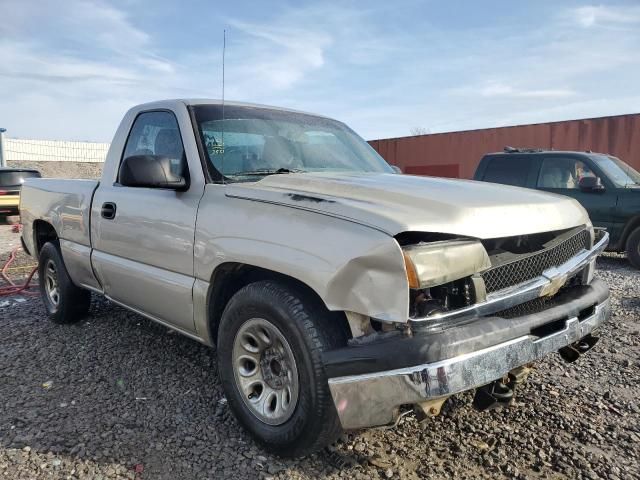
x=265, y=371
x=51, y=282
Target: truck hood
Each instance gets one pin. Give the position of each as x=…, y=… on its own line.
x=401, y=203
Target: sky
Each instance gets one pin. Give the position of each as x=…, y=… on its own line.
x=70, y=69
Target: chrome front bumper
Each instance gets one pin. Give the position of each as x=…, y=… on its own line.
x=374, y=399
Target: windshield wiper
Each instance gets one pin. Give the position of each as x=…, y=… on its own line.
x=266, y=171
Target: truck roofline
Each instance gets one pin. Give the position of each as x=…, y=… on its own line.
x=189, y=102
x=547, y=152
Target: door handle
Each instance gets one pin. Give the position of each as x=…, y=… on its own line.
x=108, y=210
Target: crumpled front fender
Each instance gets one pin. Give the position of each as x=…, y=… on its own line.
x=352, y=267
x=374, y=283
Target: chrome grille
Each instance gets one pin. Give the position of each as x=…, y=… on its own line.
x=533, y=265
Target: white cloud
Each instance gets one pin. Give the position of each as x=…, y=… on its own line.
x=278, y=55
x=71, y=73
x=26, y=61
x=503, y=90
x=589, y=16
x=554, y=69
x=299, y=45
x=93, y=51
x=585, y=108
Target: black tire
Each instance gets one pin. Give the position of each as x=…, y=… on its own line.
x=73, y=302
x=309, y=329
x=633, y=248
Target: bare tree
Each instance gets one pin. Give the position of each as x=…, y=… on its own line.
x=420, y=131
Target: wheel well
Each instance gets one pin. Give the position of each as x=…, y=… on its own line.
x=629, y=228
x=43, y=232
x=229, y=278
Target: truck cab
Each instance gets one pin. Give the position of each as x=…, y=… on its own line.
x=607, y=187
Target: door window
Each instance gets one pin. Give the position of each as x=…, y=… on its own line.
x=563, y=173
x=156, y=133
x=617, y=171
x=508, y=170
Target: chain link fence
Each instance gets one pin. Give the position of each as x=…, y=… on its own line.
x=54, y=158
x=18, y=149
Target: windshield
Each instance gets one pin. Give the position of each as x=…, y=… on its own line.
x=620, y=173
x=261, y=141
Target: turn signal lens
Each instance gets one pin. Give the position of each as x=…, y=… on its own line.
x=412, y=275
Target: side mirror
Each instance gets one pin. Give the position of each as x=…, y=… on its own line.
x=591, y=184
x=396, y=169
x=154, y=171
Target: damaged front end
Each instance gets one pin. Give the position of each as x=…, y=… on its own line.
x=520, y=269
x=480, y=313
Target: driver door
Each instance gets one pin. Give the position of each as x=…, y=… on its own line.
x=143, y=243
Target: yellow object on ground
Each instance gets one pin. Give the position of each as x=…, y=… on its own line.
x=9, y=201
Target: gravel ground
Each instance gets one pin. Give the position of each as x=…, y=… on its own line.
x=118, y=396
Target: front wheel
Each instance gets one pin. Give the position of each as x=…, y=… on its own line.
x=633, y=248
x=64, y=302
x=270, y=345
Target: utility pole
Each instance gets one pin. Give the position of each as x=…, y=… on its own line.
x=3, y=156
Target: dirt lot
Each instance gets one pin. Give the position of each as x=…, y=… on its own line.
x=117, y=396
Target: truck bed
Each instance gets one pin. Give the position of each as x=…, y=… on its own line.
x=66, y=205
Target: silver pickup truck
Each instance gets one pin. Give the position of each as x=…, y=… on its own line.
x=338, y=293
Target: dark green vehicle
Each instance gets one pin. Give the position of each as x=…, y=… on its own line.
x=607, y=187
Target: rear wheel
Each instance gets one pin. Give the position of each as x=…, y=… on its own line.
x=633, y=248
x=64, y=302
x=270, y=345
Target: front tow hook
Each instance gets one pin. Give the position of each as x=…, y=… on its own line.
x=502, y=392
x=493, y=395
x=572, y=352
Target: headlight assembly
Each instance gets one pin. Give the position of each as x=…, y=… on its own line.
x=431, y=264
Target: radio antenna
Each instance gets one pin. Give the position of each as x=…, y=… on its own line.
x=224, y=47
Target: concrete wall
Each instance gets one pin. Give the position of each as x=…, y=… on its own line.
x=66, y=169
x=456, y=154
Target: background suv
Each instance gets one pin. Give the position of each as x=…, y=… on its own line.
x=607, y=187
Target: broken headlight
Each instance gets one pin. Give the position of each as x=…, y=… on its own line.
x=436, y=263
x=440, y=274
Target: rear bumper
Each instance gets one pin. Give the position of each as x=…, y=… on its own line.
x=372, y=399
